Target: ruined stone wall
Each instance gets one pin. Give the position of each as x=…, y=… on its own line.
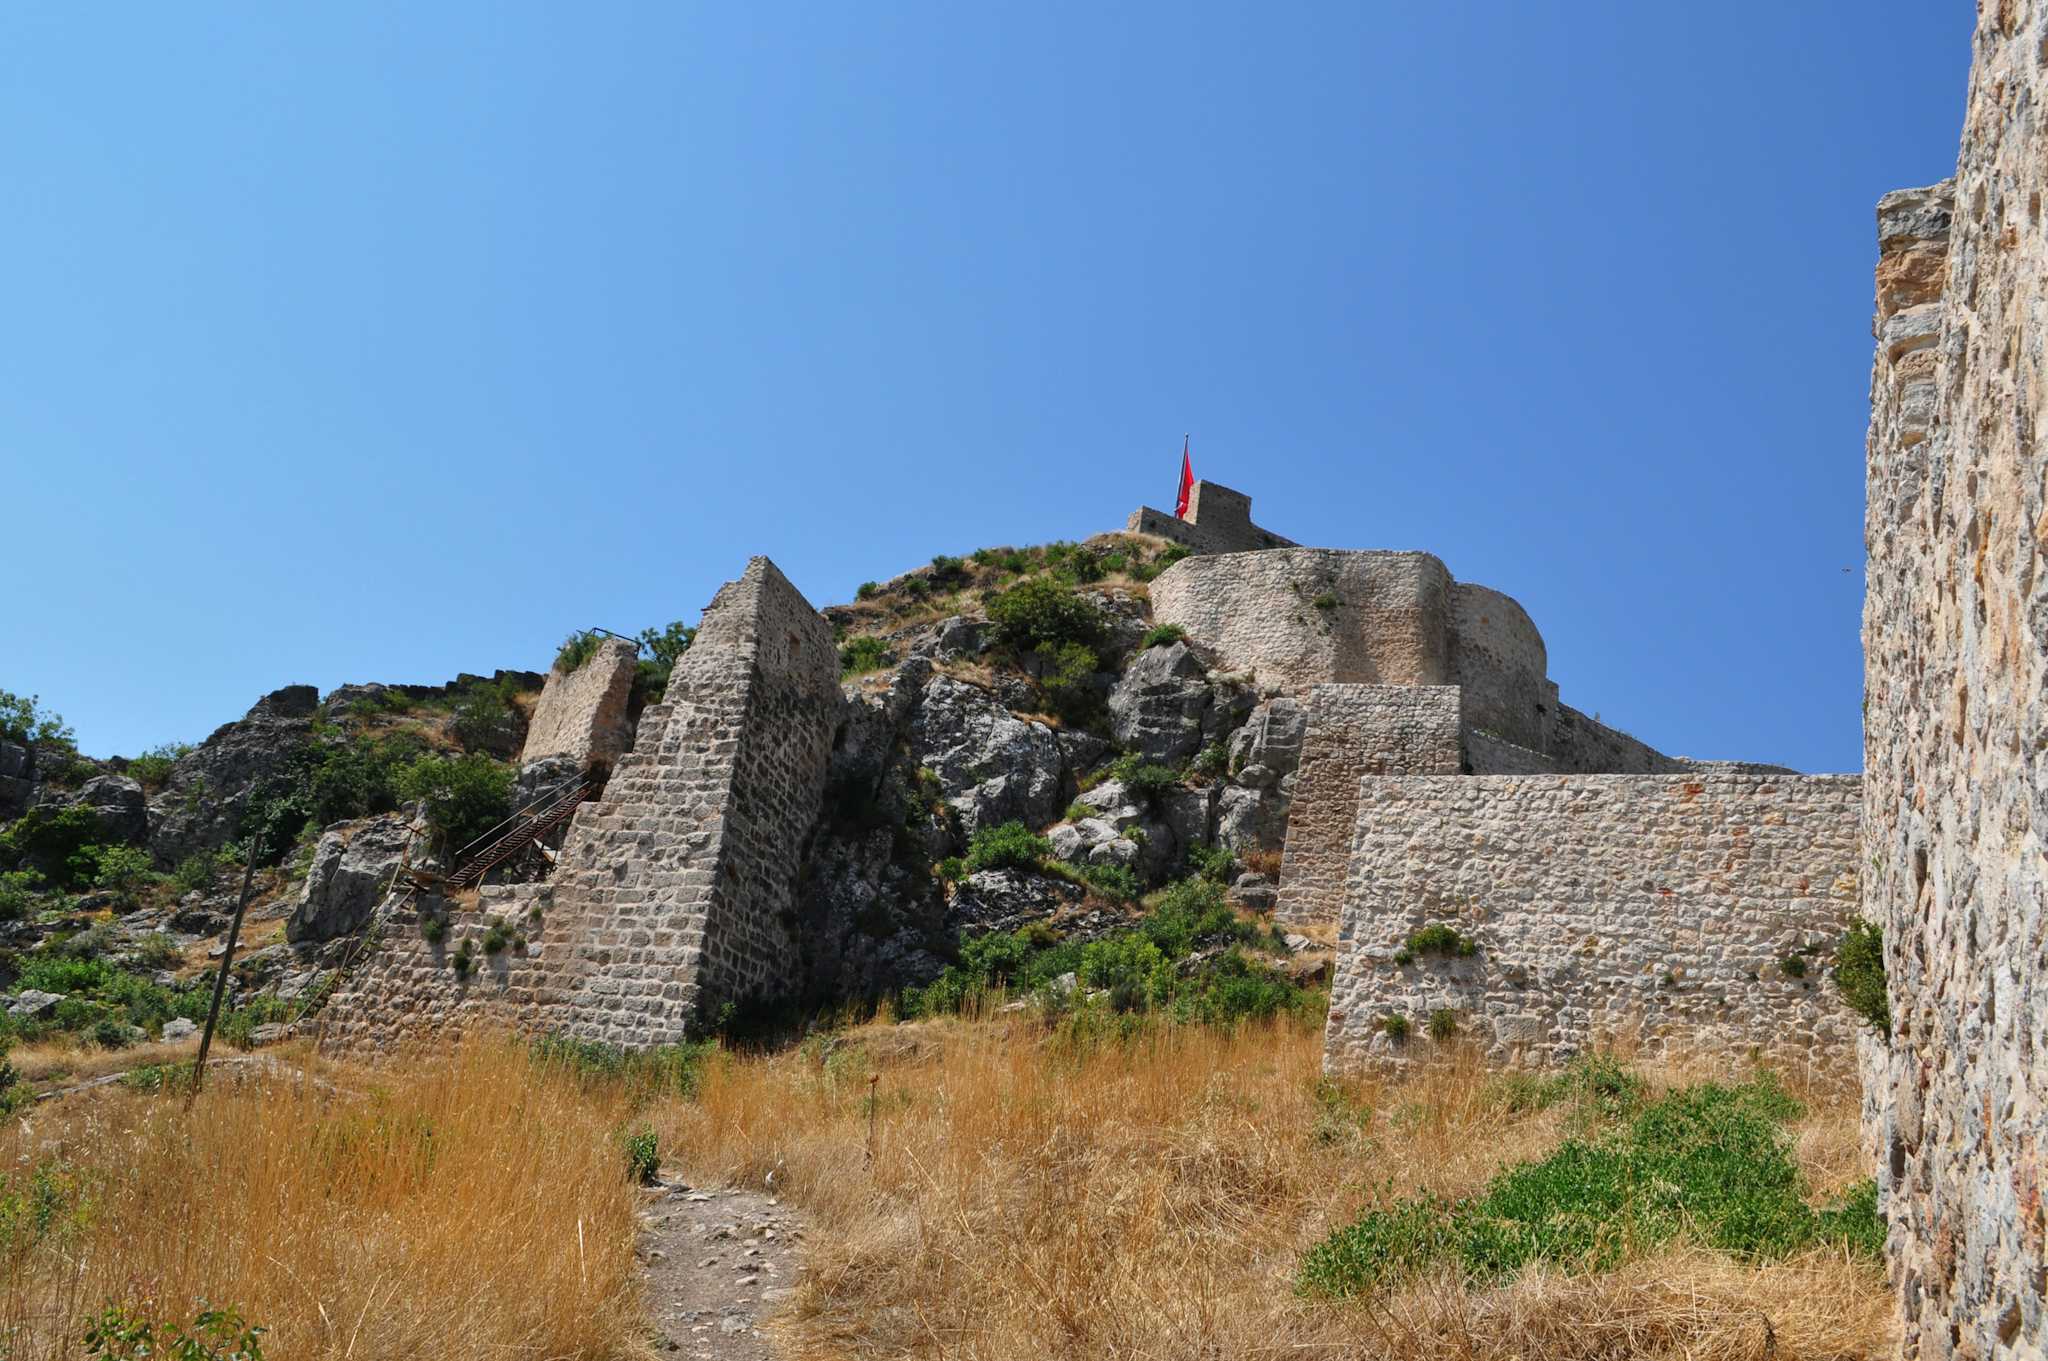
x=1489, y=755
x=1219, y=521
x=1498, y=658
x=676, y=893
x=1354, y=731
x=1384, y=617
x=1956, y=713
x=1651, y=909
x=581, y=715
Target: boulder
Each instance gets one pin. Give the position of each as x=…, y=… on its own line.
x=200, y=807
x=178, y=1028
x=1158, y=705
x=352, y=869
x=122, y=810
x=993, y=767
x=1190, y=815
x=1251, y=819
x=31, y=1005
x=1271, y=737
x=1118, y=851
x=1002, y=900
x=1113, y=803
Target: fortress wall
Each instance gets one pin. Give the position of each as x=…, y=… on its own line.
x=1388, y=623
x=1489, y=755
x=1955, y=636
x=1586, y=746
x=676, y=893
x=582, y=715
x=1353, y=731
x=1498, y=658
x=1605, y=908
x=1219, y=521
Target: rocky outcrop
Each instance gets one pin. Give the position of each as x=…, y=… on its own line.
x=17, y=778
x=201, y=805
x=992, y=766
x=1159, y=705
x=118, y=802
x=353, y=866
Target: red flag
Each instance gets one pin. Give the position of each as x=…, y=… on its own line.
x=1187, y=481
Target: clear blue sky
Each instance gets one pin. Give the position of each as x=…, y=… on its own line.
x=382, y=342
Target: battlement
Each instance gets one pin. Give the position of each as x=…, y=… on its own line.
x=1219, y=521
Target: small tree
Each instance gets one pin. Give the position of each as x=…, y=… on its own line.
x=464, y=796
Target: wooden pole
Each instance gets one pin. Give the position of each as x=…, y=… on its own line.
x=227, y=959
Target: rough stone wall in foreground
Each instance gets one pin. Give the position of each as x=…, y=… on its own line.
x=1650, y=909
x=676, y=893
x=1354, y=731
x=582, y=715
x=1219, y=521
x=1956, y=713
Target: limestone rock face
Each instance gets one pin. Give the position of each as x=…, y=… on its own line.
x=119, y=803
x=352, y=868
x=992, y=766
x=1955, y=633
x=1159, y=703
x=1271, y=737
x=201, y=804
x=581, y=714
x=1001, y=900
x=17, y=770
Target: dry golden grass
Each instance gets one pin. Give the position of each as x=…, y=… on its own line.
x=72, y=1058
x=1152, y=1202
x=469, y=1207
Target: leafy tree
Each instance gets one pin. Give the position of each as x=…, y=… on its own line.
x=1041, y=614
x=664, y=648
x=464, y=796
x=23, y=719
x=51, y=838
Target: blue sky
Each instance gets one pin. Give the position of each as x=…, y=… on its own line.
x=382, y=342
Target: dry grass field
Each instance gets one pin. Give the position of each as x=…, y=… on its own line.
x=976, y=1190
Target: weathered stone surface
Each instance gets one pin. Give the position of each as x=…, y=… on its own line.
x=1354, y=731
x=1002, y=900
x=1271, y=736
x=1252, y=819
x=17, y=772
x=200, y=807
x=1955, y=635
x=1650, y=910
x=30, y=1004
x=1159, y=704
x=581, y=714
x=179, y=1028
x=118, y=800
x=993, y=767
x=353, y=866
x=677, y=893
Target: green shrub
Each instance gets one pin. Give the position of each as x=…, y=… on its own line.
x=669, y=1068
x=1130, y=967
x=1443, y=1023
x=197, y=871
x=1042, y=614
x=1860, y=976
x=433, y=928
x=1114, y=881
x=1212, y=762
x=578, y=648
x=664, y=647
x=153, y=768
x=1069, y=678
x=52, y=837
x=1214, y=863
x=1078, y=811
x=1010, y=845
x=484, y=720
x=1161, y=635
x=946, y=568
x=465, y=958
x=23, y=719
x=643, y=1157
x=1146, y=781
x=128, y=1333
x=1436, y=939
x=120, y=870
x=1793, y=966
x=158, y=951
x=867, y=590
x=862, y=654
x=18, y=893
x=496, y=937
x=324, y=782
x=1707, y=1163
x=1394, y=1026
x=1190, y=912
x=952, y=869
x=1325, y=602
x=463, y=796
x=109, y=1033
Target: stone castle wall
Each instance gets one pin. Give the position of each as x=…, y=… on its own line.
x=1384, y=617
x=1956, y=714
x=1654, y=910
x=1498, y=657
x=1219, y=521
x=1354, y=731
x=581, y=715
x=676, y=893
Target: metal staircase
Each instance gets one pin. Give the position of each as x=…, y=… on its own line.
x=527, y=827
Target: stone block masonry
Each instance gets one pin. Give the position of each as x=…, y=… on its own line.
x=1955, y=635
x=1354, y=731
x=1219, y=521
x=581, y=714
x=1659, y=911
x=677, y=893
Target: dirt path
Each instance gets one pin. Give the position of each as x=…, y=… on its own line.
x=716, y=1262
